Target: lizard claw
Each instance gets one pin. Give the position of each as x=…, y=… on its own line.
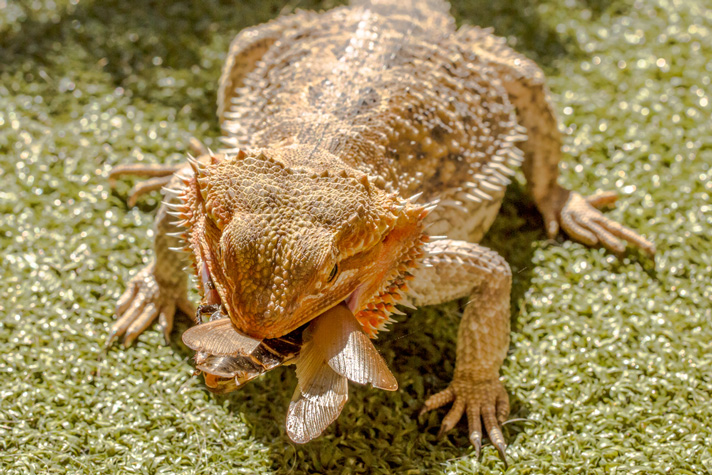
x=144, y=300
x=581, y=219
x=160, y=176
x=601, y=199
x=482, y=401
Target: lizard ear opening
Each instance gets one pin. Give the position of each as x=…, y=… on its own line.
x=219, y=338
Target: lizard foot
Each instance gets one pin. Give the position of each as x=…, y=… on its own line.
x=144, y=300
x=158, y=175
x=581, y=219
x=482, y=401
x=161, y=176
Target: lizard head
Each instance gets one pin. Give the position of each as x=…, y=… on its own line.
x=277, y=245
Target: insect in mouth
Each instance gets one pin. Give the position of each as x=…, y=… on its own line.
x=214, y=311
x=225, y=373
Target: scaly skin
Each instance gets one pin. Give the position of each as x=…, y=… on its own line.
x=332, y=121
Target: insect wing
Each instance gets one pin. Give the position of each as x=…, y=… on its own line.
x=349, y=351
x=359, y=361
x=219, y=338
x=319, y=398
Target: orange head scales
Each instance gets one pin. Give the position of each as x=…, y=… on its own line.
x=281, y=243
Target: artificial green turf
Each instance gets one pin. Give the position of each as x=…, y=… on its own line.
x=610, y=359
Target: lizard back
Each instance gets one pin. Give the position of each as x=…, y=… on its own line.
x=384, y=89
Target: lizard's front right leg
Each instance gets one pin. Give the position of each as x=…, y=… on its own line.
x=455, y=269
x=159, y=288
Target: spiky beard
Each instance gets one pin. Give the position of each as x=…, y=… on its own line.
x=376, y=314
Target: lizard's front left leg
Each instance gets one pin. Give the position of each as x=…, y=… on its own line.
x=454, y=269
x=159, y=288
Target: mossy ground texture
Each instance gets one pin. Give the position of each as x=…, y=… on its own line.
x=610, y=361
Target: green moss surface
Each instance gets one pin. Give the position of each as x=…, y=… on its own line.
x=610, y=361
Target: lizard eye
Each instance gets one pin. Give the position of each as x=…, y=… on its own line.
x=333, y=273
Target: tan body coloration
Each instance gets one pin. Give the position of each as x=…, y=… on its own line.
x=332, y=121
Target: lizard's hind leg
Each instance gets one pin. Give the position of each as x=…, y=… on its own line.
x=160, y=175
x=563, y=209
x=455, y=269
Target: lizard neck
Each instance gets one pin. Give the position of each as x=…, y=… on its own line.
x=338, y=154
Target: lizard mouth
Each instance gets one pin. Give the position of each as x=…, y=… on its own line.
x=226, y=373
x=371, y=306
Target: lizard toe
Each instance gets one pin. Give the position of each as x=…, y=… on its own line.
x=145, y=187
x=438, y=400
x=583, y=222
x=144, y=301
x=140, y=323
x=453, y=416
x=482, y=401
x=126, y=299
x=602, y=199
x=126, y=313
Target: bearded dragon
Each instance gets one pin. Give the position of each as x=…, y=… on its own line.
x=367, y=151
